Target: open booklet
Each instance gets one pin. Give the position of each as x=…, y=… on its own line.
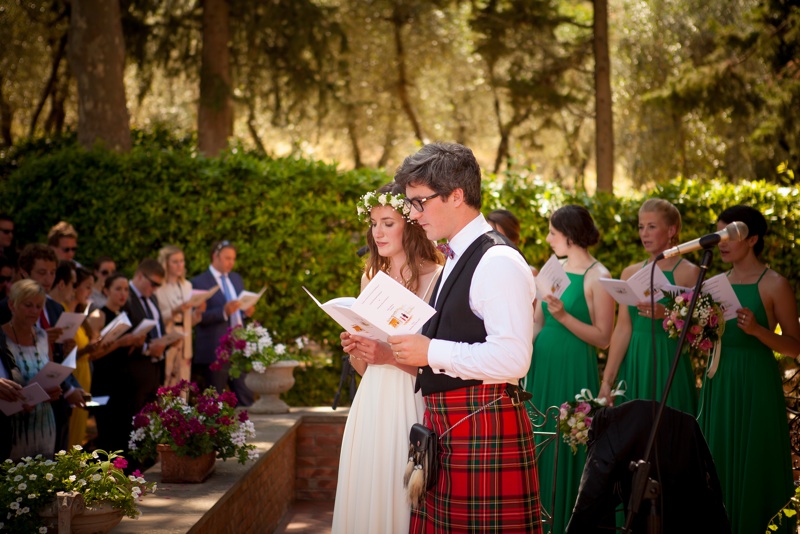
x=113, y=330
x=49, y=377
x=70, y=322
x=385, y=308
x=552, y=279
x=199, y=296
x=248, y=299
x=636, y=289
x=721, y=291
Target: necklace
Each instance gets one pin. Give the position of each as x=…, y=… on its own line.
x=19, y=345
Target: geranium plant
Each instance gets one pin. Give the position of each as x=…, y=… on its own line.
x=27, y=486
x=706, y=325
x=575, y=417
x=210, y=423
x=251, y=348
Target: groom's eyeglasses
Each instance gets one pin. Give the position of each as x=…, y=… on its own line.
x=418, y=203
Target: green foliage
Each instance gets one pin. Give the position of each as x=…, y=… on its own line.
x=616, y=217
x=294, y=222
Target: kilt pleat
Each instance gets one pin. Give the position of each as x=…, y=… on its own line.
x=487, y=479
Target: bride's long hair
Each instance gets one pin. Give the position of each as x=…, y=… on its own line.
x=416, y=245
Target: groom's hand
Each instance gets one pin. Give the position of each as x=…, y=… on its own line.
x=410, y=349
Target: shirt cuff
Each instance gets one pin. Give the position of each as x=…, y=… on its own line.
x=439, y=355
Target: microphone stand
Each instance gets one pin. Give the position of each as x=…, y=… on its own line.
x=642, y=486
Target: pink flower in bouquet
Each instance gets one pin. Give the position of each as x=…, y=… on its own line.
x=713, y=320
x=706, y=345
x=679, y=324
x=583, y=407
x=696, y=329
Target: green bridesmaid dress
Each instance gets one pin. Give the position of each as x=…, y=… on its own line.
x=743, y=418
x=637, y=367
x=562, y=365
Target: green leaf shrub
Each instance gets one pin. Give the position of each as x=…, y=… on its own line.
x=293, y=221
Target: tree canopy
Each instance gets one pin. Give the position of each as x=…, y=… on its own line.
x=699, y=88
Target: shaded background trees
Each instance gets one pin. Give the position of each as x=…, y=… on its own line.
x=690, y=87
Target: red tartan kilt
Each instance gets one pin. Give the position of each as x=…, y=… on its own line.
x=487, y=479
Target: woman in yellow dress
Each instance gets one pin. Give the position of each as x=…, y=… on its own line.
x=84, y=280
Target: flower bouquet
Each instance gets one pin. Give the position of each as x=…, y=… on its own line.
x=28, y=486
x=706, y=326
x=251, y=348
x=209, y=424
x=575, y=417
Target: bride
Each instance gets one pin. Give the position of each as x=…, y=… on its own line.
x=369, y=493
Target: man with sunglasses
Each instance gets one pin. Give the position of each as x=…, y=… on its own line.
x=222, y=312
x=6, y=276
x=64, y=240
x=471, y=354
x=146, y=363
x=7, y=249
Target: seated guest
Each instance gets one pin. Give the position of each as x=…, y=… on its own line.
x=10, y=390
x=103, y=266
x=33, y=432
x=64, y=240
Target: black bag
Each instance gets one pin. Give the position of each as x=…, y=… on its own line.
x=422, y=470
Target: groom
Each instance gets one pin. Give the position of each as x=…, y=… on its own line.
x=471, y=353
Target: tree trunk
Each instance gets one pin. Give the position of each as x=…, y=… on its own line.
x=52, y=82
x=604, y=119
x=6, y=118
x=97, y=58
x=402, y=78
x=215, y=113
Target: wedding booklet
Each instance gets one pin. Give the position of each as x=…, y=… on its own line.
x=70, y=322
x=32, y=394
x=636, y=289
x=199, y=296
x=552, y=279
x=53, y=374
x=113, y=330
x=385, y=308
x=248, y=299
x=720, y=290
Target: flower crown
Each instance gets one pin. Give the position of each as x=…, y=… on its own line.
x=372, y=199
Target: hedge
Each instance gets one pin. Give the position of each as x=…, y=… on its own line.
x=293, y=221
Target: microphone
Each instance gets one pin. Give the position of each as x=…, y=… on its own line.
x=735, y=231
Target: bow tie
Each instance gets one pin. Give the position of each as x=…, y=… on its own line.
x=445, y=249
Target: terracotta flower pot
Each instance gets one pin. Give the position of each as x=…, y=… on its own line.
x=69, y=514
x=185, y=469
x=276, y=379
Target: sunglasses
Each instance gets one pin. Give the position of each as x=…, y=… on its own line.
x=69, y=249
x=6, y=231
x=105, y=272
x=154, y=284
x=221, y=245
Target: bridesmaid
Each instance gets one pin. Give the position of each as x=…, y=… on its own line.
x=630, y=356
x=567, y=334
x=744, y=412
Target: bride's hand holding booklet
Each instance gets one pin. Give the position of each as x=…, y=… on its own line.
x=384, y=308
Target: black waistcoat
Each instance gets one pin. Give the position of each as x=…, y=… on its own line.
x=454, y=320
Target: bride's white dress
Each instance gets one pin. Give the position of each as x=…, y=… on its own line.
x=369, y=495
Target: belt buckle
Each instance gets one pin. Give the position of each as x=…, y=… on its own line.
x=516, y=397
